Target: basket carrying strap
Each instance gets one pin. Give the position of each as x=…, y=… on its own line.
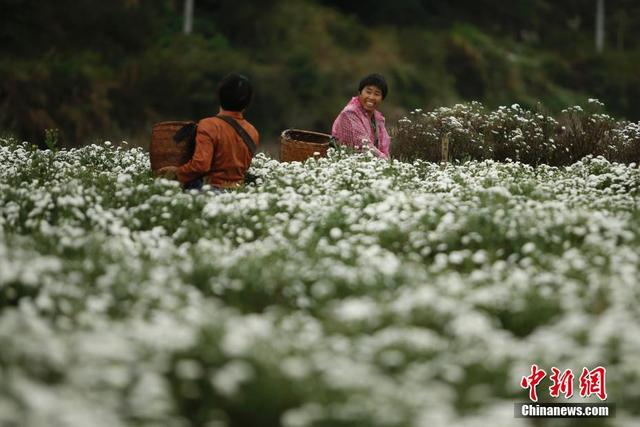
x=241, y=132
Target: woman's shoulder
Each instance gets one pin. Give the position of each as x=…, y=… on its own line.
x=349, y=111
x=353, y=113
x=352, y=105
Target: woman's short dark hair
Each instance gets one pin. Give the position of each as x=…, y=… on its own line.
x=374, y=80
x=235, y=92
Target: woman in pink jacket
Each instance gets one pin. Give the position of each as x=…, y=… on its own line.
x=360, y=123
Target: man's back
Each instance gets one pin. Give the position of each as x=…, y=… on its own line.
x=221, y=157
x=220, y=152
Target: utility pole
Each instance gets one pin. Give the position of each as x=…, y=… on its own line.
x=188, y=16
x=600, y=26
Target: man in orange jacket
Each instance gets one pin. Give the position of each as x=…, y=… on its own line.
x=222, y=154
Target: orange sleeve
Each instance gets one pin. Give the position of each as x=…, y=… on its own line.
x=200, y=163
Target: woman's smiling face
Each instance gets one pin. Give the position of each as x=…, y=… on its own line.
x=370, y=97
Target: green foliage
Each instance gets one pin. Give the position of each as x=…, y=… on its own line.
x=51, y=139
x=116, y=67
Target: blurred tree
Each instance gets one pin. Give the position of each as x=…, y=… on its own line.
x=599, y=26
x=246, y=25
x=113, y=28
x=59, y=61
x=188, y=16
x=398, y=12
x=90, y=68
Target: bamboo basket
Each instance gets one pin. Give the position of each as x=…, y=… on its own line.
x=298, y=145
x=163, y=150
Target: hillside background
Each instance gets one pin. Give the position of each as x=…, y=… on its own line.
x=108, y=70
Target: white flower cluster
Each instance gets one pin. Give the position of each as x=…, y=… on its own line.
x=342, y=291
x=469, y=132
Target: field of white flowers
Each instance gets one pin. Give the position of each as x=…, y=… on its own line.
x=346, y=291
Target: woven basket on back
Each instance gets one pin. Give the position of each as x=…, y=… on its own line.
x=163, y=150
x=299, y=145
